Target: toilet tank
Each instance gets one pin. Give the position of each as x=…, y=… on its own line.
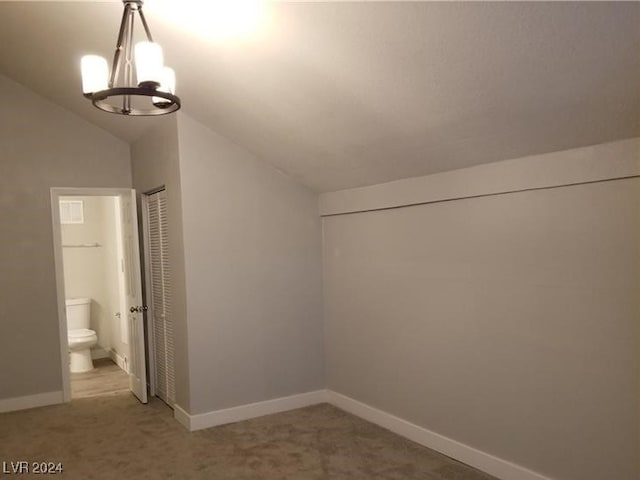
x=78, y=313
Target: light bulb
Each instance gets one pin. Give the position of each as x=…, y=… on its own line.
x=148, y=58
x=95, y=74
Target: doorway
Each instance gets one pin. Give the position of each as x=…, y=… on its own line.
x=109, y=250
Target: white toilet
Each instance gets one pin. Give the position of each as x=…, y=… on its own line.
x=81, y=339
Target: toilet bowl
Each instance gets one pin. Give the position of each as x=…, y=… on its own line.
x=80, y=337
x=80, y=342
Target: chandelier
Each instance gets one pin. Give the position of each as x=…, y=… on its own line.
x=115, y=91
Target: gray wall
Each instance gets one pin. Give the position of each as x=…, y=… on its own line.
x=154, y=161
x=41, y=146
x=253, y=257
x=508, y=323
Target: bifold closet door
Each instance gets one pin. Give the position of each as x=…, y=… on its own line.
x=160, y=289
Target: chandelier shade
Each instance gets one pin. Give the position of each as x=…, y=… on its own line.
x=149, y=63
x=95, y=74
x=115, y=91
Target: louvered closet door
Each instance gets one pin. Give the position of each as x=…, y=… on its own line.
x=161, y=296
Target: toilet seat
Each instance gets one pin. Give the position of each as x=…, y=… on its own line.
x=80, y=334
x=81, y=338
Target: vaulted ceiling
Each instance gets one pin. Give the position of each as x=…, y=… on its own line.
x=344, y=94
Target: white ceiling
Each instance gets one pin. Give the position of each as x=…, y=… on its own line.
x=344, y=94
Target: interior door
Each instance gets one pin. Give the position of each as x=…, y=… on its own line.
x=133, y=295
x=158, y=284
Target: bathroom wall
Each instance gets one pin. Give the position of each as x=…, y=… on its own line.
x=92, y=272
x=42, y=146
x=113, y=259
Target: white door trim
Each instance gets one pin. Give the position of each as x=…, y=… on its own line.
x=56, y=193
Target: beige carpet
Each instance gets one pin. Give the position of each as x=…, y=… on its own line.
x=115, y=437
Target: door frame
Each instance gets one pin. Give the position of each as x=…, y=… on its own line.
x=56, y=193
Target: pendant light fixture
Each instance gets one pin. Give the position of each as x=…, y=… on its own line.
x=153, y=92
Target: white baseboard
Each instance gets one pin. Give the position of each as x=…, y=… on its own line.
x=486, y=462
x=490, y=464
x=30, y=401
x=182, y=416
x=245, y=412
x=119, y=360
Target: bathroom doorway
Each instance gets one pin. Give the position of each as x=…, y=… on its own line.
x=98, y=279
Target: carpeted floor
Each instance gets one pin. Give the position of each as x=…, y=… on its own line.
x=114, y=437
